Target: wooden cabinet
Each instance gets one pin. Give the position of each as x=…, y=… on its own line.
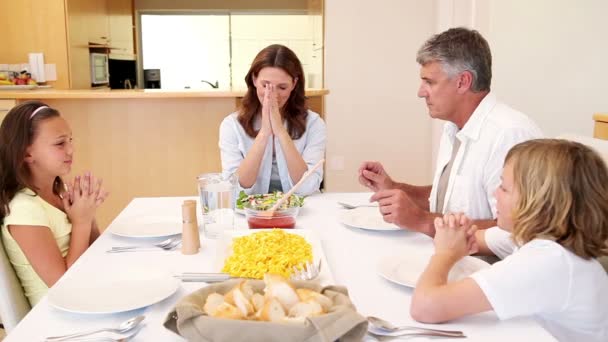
x=600, y=130
x=5, y=106
x=120, y=18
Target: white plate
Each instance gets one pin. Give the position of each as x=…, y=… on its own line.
x=366, y=218
x=147, y=226
x=18, y=87
x=406, y=269
x=116, y=292
x=224, y=249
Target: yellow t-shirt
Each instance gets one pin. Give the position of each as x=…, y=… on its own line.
x=28, y=209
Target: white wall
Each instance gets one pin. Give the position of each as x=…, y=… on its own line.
x=551, y=60
x=372, y=109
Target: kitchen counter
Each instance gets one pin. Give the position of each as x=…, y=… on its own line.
x=143, y=143
x=129, y=93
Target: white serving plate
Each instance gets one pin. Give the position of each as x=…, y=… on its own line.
x=224, y=249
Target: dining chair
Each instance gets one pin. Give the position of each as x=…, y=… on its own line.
x=601, y=147
x=13, y=303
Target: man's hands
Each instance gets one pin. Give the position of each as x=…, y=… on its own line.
x=373, y=176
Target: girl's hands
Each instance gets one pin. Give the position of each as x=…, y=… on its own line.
x=84, y=195
x=455, y=236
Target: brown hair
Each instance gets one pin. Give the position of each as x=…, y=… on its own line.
x=17, y=133
x=563, y=195
x=460, y=49
x=295, y=110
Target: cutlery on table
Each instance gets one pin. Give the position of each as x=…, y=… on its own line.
x=353, y=206
x=124, y=327
x=164, y=243
x=308, y=271
x=168, y=247
x=379, y=326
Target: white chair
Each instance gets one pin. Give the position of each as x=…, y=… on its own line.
x=601, y=147
x=13, y=303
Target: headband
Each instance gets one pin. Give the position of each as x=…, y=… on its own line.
x=37, y=110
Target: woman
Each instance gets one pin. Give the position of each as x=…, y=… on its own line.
x=273, y=139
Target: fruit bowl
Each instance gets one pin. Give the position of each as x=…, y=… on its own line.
x=285, y=218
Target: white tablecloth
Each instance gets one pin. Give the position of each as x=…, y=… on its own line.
x=352, y=256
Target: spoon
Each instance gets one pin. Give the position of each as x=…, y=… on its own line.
x=384, y=326
x=121, y=329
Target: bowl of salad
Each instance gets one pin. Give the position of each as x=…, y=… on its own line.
x=256, y=210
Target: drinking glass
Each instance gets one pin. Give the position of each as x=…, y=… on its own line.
x=218, y=198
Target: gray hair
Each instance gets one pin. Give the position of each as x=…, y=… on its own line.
x=460, y=49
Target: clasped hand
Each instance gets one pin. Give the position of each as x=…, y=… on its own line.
x=272, y=123
x=455, y=236
x=82, y=196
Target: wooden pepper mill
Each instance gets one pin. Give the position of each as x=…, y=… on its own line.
x=190, y=238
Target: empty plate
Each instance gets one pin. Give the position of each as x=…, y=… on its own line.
x=147, y=226
x=405, y=269
x=116, y=292
x=366, y=218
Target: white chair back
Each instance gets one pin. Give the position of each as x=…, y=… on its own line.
x=13, y=303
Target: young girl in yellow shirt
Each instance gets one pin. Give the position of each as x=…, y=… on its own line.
x=47, y=224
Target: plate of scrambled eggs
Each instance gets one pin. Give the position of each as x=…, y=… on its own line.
x=253, y=253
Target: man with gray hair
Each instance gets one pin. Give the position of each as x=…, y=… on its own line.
x=456, y=72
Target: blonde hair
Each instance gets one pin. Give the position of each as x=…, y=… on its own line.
x=563, y=195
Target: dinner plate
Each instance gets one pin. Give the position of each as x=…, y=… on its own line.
x=147, y=226
x=405, y=269
x=18, y=87
x=224, y=249
x=119, y=291
x=365, y=218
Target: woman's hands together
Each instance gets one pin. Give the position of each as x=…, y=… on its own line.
x=455, y=236
x=82, y=198
x=272, y=123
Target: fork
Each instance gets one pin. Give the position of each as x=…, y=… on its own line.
x=168, y=247
x=307, y=271
x=161, y=244
x=351, y=206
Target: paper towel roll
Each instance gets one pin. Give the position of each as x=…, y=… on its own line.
x=36, y=61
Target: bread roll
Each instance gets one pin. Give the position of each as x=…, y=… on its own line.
x=242, y=303
x=211, y=304
x=258, y=301
x=306, y=309
x=278, y=287
x=226, y=310
x=272, y=311
x=306, y=295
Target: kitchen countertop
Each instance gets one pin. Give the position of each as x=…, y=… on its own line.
x=129, y=93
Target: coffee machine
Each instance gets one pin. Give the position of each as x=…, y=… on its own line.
x=152, y=78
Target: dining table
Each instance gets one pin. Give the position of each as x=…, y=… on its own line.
x=352, y=257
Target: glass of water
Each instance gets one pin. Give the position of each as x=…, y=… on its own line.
x=218, y=199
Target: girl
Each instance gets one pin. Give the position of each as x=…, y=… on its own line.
x=273, y=139
x=46, y=224
x=552, y=226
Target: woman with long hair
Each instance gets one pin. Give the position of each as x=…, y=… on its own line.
x=273, y=139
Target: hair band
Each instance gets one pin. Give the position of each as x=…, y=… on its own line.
x=37, y=110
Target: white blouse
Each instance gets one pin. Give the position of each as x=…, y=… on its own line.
x=235, y=144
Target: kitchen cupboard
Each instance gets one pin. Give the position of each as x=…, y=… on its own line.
x=120, y=16
x=600, y=130
x=5, y=106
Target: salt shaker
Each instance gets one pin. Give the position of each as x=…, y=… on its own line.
x=190, y=238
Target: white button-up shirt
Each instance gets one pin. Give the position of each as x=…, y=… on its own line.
x=235, y=144
x=488, y=135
